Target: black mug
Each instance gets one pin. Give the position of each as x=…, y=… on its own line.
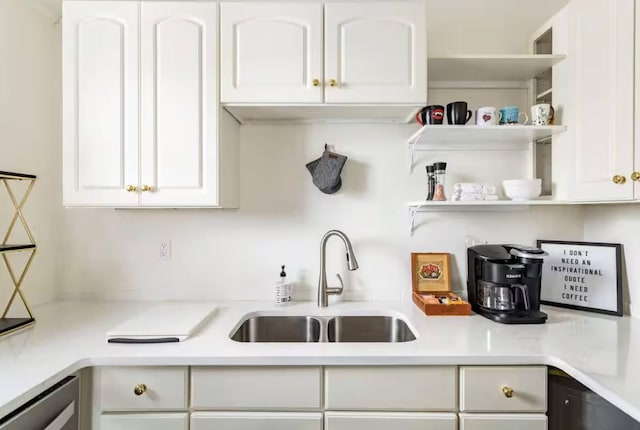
x=458, y=114
x=433, y=114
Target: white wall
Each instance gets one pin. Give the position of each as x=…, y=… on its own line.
x=282, y=216
x=619, y=224
x=30, y=134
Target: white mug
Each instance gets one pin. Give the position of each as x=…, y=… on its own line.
x=488, y=116
x=541, y=114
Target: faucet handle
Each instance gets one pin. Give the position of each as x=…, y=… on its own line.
x=341, y=283
x=336, y=291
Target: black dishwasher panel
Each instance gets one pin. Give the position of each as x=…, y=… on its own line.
x=572, y=406
x=54, y=409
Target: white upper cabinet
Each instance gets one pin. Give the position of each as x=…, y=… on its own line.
x=376, y=53
x=602, y=52
x=368, y=53
x=142, y=125
x=271, y=52
x=100, y=110
x=179, y=156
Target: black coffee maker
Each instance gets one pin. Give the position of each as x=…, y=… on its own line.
x=503, y=283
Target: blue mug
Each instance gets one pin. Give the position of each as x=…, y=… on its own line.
x=511, y=115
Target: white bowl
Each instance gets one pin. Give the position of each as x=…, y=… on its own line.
x=522, y=189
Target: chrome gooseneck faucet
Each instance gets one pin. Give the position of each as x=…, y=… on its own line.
x=323, y=290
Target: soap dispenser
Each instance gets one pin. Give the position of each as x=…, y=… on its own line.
x=284, y=289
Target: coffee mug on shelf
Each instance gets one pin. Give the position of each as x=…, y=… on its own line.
x=542, y=114
x=429, y=115
x=511, y=115
x=458, y=114
x=487, y=116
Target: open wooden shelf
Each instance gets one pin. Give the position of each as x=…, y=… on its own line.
x=490, y=206
x=477, y=68
x=468, y=137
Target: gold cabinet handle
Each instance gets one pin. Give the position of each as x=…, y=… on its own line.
x=131, y=188
x=316, y=82
x=146, y=188
x=635, y=176
x=139, y=389
x=508, y=392
x=619, y=179
x=333, y=83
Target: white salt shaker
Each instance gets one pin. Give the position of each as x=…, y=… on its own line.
x=284, y=289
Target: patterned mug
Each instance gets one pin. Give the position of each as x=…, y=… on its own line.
x=511, y=116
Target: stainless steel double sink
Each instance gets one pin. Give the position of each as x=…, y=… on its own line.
x=305, y=328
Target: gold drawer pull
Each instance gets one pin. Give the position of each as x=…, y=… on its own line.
x=146, y=188
x=619, y=179
x=333, y=83
x=635, y=176
x=139, y=389
x=131, y=188
x=316, y=82
x=508, y=392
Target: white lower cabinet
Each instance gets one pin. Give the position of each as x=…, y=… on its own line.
x=276, y=388
x=503, y=389
x=390, y=388
x=255, y=421
x=503, y=422
x=320, y=398
x=389, y=420
x=159, y=421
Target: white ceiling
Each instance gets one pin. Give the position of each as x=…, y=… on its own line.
x=528, y=14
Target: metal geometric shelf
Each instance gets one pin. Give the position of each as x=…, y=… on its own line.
x=12, y=324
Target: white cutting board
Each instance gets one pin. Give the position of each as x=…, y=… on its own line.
x=164, y=322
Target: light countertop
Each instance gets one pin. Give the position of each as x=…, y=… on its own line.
x=602, y=352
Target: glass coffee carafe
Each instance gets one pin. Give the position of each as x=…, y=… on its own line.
x=502, y=298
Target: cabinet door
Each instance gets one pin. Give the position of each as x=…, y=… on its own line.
x=164, y=388
x=159, y=421
x=179, y=104
x=271, y=52
x=255, y=421
x=376, y=53
x=100, y=106
x=503, y=422
x=481, y=388
x=385, y=421
x=390, y=388
x=257, y=388
x=601, y=48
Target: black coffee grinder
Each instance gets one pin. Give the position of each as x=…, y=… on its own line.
x=503, y=283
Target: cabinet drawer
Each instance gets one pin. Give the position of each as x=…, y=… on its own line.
x=165, y=421
x=233, y=388
x=388, y=420
x=406, y=388
x=164, y=388
x=481, y=389
x=503, y=422
x=255, y=421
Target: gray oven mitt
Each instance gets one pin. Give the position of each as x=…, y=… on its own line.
x=326, y=170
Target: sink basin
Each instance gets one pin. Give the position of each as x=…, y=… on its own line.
x=278, y=329
x=305, y=328
x=368, y=329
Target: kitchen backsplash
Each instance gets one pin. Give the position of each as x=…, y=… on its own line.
x=236, y=254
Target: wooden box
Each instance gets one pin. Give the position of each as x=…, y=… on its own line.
x=431, y=277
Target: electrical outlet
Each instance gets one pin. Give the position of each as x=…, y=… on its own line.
x=165, y=250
